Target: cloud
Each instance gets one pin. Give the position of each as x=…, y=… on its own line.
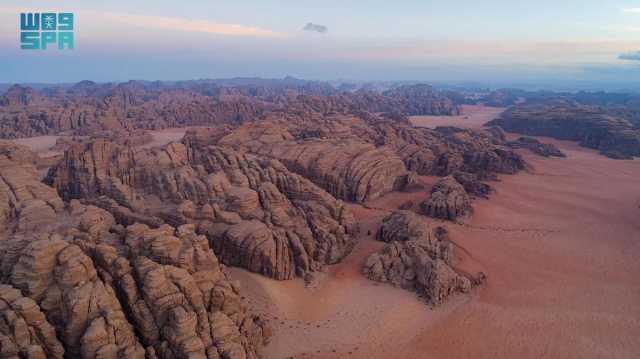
x=633, y=56
x=189, y=25
x=315, y=27
x=126, y=20
x=633, y=10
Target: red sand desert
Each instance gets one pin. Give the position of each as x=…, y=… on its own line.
x=559, y=244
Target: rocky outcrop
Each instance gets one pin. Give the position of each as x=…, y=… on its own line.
x=497, y=133
x=592, y=127
x=92, y=108
x=421, y=99
x=537, y=147
x=473, y=184
x=416, y=258
x=176, y=293
x=62, y=279
x=404, y=226
x=448, y=200
x=90, y=288
x=17, y=153
x=362, y=158
x=441, y=151
x=255, y=212
x=26, y=204
x=476, y=152
x=24, y=329
x=347, y=168
x=408, y=265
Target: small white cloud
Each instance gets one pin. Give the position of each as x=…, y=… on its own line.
x=632, y=10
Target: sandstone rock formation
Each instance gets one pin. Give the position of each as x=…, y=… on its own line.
x=121, y=251
x=86, y=107
x=76, y=283
x=256, y=213
x=159, y=293
x=347, y=168
x=592, y=127
x=24, y=329
x=352, y=144
x=358, y=158
x=441, y=151
x=476, y=152
x=26, y=204
x=404, y=226
x=448, y=200
x=473, y=184
x=422, y=100
x=416, y=258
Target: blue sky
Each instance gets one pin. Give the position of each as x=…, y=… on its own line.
x=379, y=40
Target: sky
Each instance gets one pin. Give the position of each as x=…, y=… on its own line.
x=452, y=40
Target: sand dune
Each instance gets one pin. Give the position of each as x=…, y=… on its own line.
x=559, y=244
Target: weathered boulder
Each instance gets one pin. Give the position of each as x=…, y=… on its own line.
x=448, y=200
x=409, y=266
x=473, y=184
x=416, y=258
x=403, y=226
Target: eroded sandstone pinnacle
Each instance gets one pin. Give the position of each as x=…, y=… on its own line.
x=416, y=258
x=449, y=200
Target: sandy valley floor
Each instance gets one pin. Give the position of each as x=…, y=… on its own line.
x=472, y=116
x=559, y=243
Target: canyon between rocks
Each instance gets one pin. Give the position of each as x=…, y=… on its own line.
x=143, y=221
